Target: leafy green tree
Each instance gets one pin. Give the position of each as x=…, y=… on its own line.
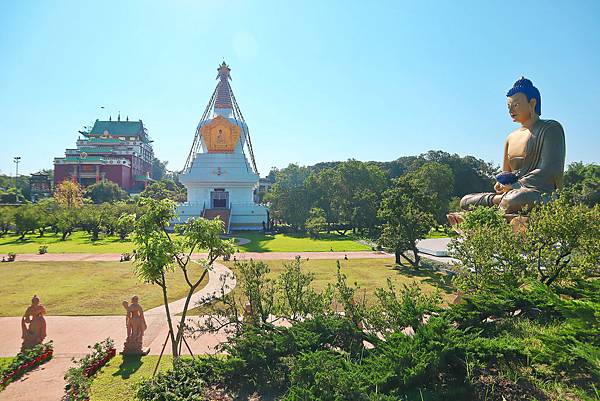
x=159, y=169
x=67, y=219
x=582, y=183
x=105, y=191
x=27, y=219
x=92, y=220
x=316, y=221
x=7, y=218
x=158, y=252
x=288, y=196
x=47, y=211
x=558, y=245
x=436, y=179
x=356, y=191
x=125, y=225
x=165, y=189
x=406, y=210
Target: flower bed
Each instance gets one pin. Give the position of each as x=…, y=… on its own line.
x=25, y=361
x=79, y=378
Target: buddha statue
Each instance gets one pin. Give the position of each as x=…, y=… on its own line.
x=136, y=325
x=534, y=156
x=33, y=324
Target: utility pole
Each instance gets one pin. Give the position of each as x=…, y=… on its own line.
x=17, y=160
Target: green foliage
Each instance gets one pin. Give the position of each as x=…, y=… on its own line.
x=437, y=180
x=105, y=191
x=316, y=221
x=582, y=183
x=165, y=189
x=8, y=372
x=158, y=252
x=406, y=210
x=483, y=216
x=79, y=378
x=27, y=220
x=558, y=245
x=399, y=309
x=68, y=194
x=7, y=216
x=523, y=337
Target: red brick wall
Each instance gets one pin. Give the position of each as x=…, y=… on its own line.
x=118, y=174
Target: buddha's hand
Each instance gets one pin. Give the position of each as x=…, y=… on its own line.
x=500, y=188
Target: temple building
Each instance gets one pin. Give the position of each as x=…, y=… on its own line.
x=220, y=172
x=119, y=151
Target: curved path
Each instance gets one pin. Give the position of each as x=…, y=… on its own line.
x=73, y=334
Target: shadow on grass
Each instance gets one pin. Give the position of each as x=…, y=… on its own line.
x=429, y=275
x=129, y=365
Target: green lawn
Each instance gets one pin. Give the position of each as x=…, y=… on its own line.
x=78, y=242
x=298, y=243
x=5, y=361
x=117, y=379
x=79, y=288
x=369, y=274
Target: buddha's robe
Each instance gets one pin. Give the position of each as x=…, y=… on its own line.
x=539, y=169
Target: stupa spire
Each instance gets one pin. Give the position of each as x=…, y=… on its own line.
x=223, y=99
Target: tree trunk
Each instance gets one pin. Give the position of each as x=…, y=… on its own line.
x=170, y=323
x=398, y=257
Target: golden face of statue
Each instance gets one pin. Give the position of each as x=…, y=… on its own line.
x=519, y=108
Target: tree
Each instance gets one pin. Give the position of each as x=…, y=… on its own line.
x=316, y=221
x=356, y=190
x=288, y=196
x=125, y=225
x=165, y=189
x=406, y=210
x=67, y=220
x=105, y=191
x=157, y=252
x=582, y=183
x=159, y=169
x=68, y=194
x=437, y=180
x=92, y=220
x=559, y=244
x=7, y=218
x=27, y=219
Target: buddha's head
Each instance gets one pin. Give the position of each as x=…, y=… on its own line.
x=35, y=300
x=524, y=101
x=135, y=299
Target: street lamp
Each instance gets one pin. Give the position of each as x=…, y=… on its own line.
x=16, y=159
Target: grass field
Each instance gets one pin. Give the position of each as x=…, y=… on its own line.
x=78, y=242
x=79, y=288
x=369, y=274
x=117, y=379
x=298, y=243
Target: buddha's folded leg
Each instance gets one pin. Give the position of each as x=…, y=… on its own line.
x=480, y=199
x=517, y=199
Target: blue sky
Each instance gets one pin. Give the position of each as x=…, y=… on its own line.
x=316, y=81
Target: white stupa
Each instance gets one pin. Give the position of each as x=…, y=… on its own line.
x=220, y=180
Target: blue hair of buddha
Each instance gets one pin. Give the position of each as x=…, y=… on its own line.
x=525, y=86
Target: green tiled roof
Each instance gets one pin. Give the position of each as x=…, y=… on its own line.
x=139, y=177
x=118, y=127
x=89, y=159
x=104, y=140
x=96, y=150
